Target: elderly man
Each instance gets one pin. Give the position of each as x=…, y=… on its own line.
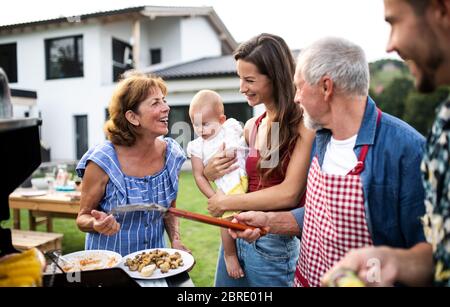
x=364, y=186
x=420, y=33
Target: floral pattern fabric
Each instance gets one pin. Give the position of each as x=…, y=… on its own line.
x=436, y=171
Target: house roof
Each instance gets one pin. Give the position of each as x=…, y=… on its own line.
x=151, y=12
x=66, y=19
x=205, y=67
x=218, y=66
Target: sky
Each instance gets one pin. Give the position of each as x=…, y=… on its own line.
x=299, y=22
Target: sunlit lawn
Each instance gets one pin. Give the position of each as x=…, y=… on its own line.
x=202, y=239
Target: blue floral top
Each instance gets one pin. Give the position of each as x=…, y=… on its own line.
x=436, y=172
x=139, y=230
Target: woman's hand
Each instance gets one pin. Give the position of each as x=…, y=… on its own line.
x=220, y=164
x=216, y=204
x=176, y=244
x=104, y=223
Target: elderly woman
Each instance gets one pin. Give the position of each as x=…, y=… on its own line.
x=135, y=165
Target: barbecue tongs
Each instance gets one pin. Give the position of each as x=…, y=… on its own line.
x=185, y=214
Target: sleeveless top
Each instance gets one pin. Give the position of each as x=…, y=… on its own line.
x=254, y=178
x=138, y=230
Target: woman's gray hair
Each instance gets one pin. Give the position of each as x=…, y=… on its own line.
x=343, y=61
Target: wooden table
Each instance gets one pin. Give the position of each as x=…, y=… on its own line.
x=44, y=241
x=57, y=204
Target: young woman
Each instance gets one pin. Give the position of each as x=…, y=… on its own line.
x=277, y=164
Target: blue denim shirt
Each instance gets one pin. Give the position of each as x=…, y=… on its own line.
x=393, y=190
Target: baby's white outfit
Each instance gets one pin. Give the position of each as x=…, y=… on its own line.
x=231, y=133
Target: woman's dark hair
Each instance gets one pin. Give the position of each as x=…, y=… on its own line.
x=273, y=58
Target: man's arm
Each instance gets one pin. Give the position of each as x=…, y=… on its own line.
x=282, y=222
x=286, y=222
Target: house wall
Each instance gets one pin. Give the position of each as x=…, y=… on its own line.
x=59, y=100
x=20, y=111
x=24, y=106
x=164, y=33
x=198, y=39
x=121, y=30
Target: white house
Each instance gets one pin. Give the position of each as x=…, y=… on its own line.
x=24, y=102
x=72, y=63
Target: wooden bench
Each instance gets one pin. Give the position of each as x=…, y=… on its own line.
x=44, y=241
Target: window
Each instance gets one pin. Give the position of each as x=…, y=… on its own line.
x=64, y=57
x=155, y=56
x=122, y=58
x=8, y=61
x=81, y=135
x=106, y=114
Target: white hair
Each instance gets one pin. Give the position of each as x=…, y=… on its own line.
x=343, y=61
x=310, y=123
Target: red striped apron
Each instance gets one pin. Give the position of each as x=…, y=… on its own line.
x=335, y=220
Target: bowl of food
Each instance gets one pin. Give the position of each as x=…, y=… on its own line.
x=89, y=260
x=39, y=183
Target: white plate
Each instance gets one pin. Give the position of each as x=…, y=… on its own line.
x=188, y=262
x=100, y=259
x=33, y=193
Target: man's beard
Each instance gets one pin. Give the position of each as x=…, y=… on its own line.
x=427, y=81
x=426, y=84
x=310, y=123
x=428, y=68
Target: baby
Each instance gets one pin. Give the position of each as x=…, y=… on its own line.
x=210, y=124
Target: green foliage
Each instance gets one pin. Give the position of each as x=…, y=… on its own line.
x=202, y=239
x=382, y=73
x=392, y=99
x=393, y=90
x=420, y=109
x=380, y=64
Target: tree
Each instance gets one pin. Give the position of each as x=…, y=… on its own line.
x=393, y=90
x=420, y=109
x=392, y=99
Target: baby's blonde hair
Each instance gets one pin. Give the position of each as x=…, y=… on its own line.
x=207, y=98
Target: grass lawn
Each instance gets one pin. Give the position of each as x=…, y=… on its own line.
x=202, y=239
